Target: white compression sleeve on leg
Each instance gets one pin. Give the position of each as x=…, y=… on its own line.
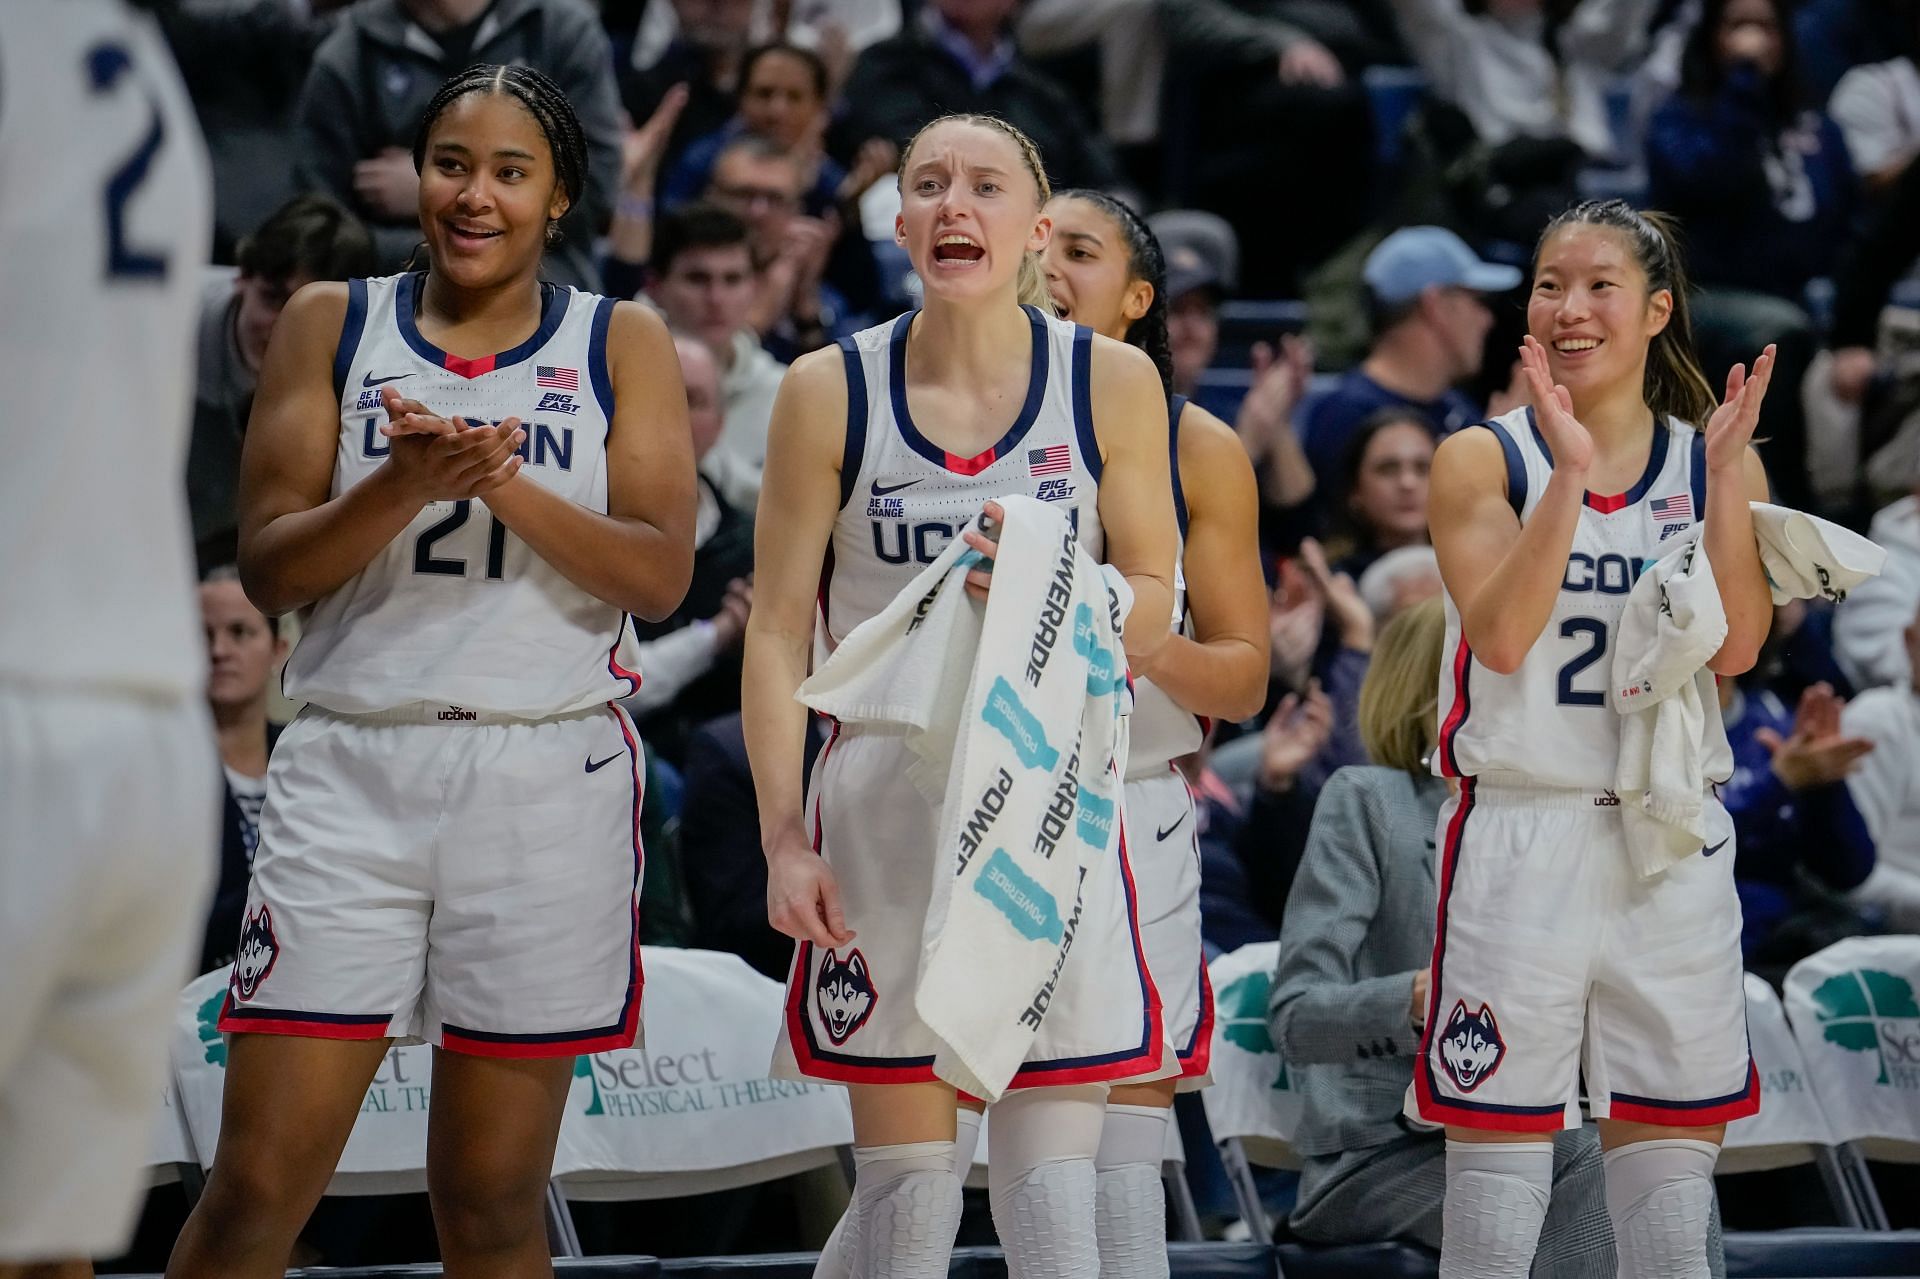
x=1496, y=1202
x=1660, y=1195
x=1040, y=1179
x=1130, y=1203
x=905, y=1211
x=836, y=1257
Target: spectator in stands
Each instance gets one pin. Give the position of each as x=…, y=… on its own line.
x=692, y=657
x=1203, y=267
x=1886, y=787
x=1879, y=257
x=1352, y=990
x=244, y=648
x=703, y=57
x=374, y=75
x=1250, y=849
x=1767, y=194
x=1380, y=493
x=1428, y=294
x=1878, y=106
x=1834, y=36
x=1397, y=581
x=704, y=283
x=1868, y=626
x=310, y=238
x=1264, y=92
x=1800, y=844
x=960, y=56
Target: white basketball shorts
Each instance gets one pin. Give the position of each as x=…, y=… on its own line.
x=849, y=1014
x=1164, y=845
x=109, y=813
x=440, y=874
x=1554, y=959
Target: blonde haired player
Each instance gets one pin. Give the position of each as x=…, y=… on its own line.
x=881, y=451
x=1553, y=962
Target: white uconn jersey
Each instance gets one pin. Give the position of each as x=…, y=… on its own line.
x=903, y=498
x=1160, y=730
x=457, y=609
x=1550, y=720
x=105, y=217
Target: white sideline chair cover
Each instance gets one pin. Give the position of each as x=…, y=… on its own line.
x=693, y=1110
x=1253, y=1099
x=1855, y=1012
x=1791, y=1127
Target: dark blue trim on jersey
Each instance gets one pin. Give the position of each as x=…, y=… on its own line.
x=1083, y=400
x=350, y=330
x=253, y=1012
x=897, y=388
x=1176, y=405
x=1697, y=474
x=1516, y=466
x=598, y=371
x=406, y=306
x=853, y=450
x=1655, y=1103
x=1656, y=458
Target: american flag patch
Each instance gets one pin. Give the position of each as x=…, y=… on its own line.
x=1051, y=460
x=1677, y=507
x=556, y=378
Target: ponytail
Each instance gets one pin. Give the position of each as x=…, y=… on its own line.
x=1033, y=284
x=1674, y=386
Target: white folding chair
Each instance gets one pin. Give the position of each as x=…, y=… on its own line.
x=693, y=1110
x=1253, y=1108
x=1855, y=1012
x=171, y=1149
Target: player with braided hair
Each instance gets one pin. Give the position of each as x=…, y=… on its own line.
x=465, y=480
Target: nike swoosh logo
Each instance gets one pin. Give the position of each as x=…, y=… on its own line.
x=371, y=381
x=1161, y=835
x=595, y=766
x=881, y=490
x=1708, y=852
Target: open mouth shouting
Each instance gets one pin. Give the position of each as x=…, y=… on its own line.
x=955, y=251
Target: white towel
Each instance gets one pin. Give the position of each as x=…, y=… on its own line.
x=1016, y=715
x=1671, y=740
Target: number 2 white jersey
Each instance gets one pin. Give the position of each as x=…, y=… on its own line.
x=1551, y=720
x=457, y=609
x=903, y=498
x=105, y=219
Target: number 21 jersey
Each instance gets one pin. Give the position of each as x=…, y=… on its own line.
x=457, y=609
x=1551, y=720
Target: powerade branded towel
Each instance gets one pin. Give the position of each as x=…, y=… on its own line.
x=1015, y=721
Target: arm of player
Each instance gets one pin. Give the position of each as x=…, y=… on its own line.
x=637, y=557
x=799, y=502
x=1136, y=489
x=1222, y=671
x=296, y=543
x=1735, y=477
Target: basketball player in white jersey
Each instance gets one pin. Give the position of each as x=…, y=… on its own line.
x=465, y=479
x=880, y=453
x=1554, y=963
x=108, y=797
x=1106, y=271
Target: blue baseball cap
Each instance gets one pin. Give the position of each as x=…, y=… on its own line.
x=1416, y=257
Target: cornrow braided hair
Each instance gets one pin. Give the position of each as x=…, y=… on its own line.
x=1145, y=261
x=1674, y=385
x=544, y=101
x=1033, y=280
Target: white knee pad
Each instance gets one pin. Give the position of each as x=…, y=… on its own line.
x=1040, y=1179
x=905, y=1211
x=966, y=1140
x=1496, y=1202
x=836, y=1256
x=1660, y=1196
x=1130, y=1203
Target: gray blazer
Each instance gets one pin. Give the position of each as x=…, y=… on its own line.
x=1359, y=924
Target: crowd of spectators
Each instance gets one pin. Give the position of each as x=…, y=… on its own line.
x=1388, y=161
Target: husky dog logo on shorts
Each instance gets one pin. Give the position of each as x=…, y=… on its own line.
x=844, y=994
x=1471, y=1047
x=258, y=950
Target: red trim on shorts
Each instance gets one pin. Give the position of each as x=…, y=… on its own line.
x=286, y=1021
x=618, y=671
x=1457, y=713
x=1197, y=1060
x=1690, y=1114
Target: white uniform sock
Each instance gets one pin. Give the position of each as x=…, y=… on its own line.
x=1040, y=1178
x=905, y=1211
x=1659, y=1196
x=1130, y=1203
x=1496, y=1202
x=836, y=1256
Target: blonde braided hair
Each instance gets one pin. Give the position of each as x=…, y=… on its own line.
x=1032, y=284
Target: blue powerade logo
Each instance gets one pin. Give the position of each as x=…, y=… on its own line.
x=1005, y=712
x=1095, y=819
x=1101, y=677
x=1030, y=908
